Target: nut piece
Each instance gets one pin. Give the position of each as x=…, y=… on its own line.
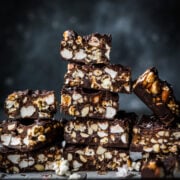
x=147, y=149
x=15, y=141
x=72, y=110
x=79, y=127
x=79, y=152
x=80, y=54
x=107, y=54
x=69, y=157
x=136, y=130
x=31, y=161
x=160, y=141
x=39, y=167
x=23, y=163
x=150, y=77
x=90, y=131
x=76, y=165
x=42, y=158
x=161, y=133
x=27, y=111
x=89, y=152
x=124, y=138
x=94, y=127
x=11, y=126
x=65, y=100
x=14, y=158
x=176, y=135
x=108, y=155
x=36, y=131
x=153, y=140
x=111, y=72
x=106, y=83
x=103, y=125
x=156, y=148
x=85, y=111
x=104, y=140
x=97, y=72
x=41, y=138
x=112, y=137
x=116, y=129
x=100, y=150
x=84, y=135
x=5, y=139
x=155, y=88
x=78, y=74
x=73, y=134
x=96, y=99
x=76, y=96
x=83, y=159
x=110, y=112
x=102, y=134
x=15, y=169
x=67, y=54
x=50, y=99
x=165, y=95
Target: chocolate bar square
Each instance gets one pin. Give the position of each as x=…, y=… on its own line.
x=82, y=102
x=28, y=135
x=14, y=161
x=30, y=104
x=150, y=135
x=91, y=49
x=114, y=133
x=96, y=158
x=114, y=78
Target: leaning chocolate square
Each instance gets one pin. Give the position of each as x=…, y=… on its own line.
x=91, y=49
x=114, y=133
x=96, y=158
x=28, y=135
x=157, y=95
x=31, y=104
x=114, y=78
x=14, y=161
x=82, y=102
x=150, y=135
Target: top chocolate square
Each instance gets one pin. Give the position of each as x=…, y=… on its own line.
x=91, y=49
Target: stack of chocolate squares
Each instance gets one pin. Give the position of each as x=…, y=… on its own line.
x=27, y=137
x=156, y=138
x=97, y=135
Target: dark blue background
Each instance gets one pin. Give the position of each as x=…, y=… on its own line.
x=145, y=34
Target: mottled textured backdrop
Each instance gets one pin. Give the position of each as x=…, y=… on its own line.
x=145, y=34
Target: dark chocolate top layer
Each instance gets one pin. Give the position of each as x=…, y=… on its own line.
x=73, y=35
